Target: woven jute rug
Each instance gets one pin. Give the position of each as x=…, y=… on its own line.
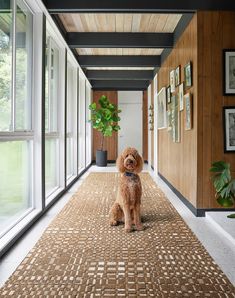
x=80, y=255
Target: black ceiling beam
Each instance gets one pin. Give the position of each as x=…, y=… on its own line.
x=119, y=40
x=119, y=61
x=119, y=74
x=119, y=85
x=133, y=6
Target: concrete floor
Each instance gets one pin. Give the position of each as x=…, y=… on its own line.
x=218, y=241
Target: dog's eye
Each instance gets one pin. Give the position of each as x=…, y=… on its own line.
x=126, y=156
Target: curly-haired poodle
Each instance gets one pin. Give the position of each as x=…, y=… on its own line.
x=127, y=205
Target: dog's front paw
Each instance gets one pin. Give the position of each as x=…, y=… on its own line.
x=128, y=229
x=140, y=227
x=113, y=223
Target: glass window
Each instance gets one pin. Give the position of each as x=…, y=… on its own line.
x=16, y=149
x=82, y=120
x=51, y=167
x=71, y=120
x=52, y=106
x=23, y=58
x=6, y=24
x=15, y=181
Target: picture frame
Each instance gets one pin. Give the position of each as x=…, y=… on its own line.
x=175, y=119
x=229, y=128
x=188, y=79
x=172, y=80
x=169, y=117
x=177, y=75
x=229, y=72
x=161, y=108
x=181, y=96
x=188, y=111
x=168, y=94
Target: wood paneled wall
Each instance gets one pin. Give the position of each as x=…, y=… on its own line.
x=215, y=33
x=186, y=164
x=110, y=143
x=145, y=125
x=177, y=162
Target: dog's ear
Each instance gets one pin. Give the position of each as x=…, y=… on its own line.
x=120, y=164
x=140, y=162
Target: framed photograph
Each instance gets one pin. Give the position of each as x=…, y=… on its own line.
x=161, y=108
x=175, y=119
x=181, y=96
x=169, y=117
x=177, y=76
x=168, y=94
x=229, y=129
x=229, y=72
x=188, y=75
x=188, y=111
x=172, y=80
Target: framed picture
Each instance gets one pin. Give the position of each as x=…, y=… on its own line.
x=181, y=96
x=169, y=117
x=229, y=129
x=172, y=80
x=168, y=94
x=229, y=72
x=175, y=119
x=188, y=111
x=188, y=75
x=161, y=108
x=177, y=76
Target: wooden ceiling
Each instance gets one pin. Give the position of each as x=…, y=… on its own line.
x=106, y=34
x=118, y=51
x=134, y=36
x=91, y=22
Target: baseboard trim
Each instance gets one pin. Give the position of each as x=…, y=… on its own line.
x=198, y=212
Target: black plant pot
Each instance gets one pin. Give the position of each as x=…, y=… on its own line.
x=101, y=158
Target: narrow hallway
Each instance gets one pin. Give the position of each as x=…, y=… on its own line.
x=80, y=255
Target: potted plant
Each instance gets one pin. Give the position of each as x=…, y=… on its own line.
x=105, y=119
x=224, y=184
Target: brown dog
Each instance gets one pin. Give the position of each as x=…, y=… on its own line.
x=127, y=205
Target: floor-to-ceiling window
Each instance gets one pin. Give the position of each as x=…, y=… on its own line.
x=54, y=114
x=39, y=116
x=82, y=122
x=88, y=124
x=71, y=118
x=16, y=110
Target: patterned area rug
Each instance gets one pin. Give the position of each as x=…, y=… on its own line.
x=80, y=255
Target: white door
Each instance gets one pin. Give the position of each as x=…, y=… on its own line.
x=131, y=132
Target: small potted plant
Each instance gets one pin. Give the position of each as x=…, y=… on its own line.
x=224, y=184
x=105, y=119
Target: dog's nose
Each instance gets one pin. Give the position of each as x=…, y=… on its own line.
x=130, y=161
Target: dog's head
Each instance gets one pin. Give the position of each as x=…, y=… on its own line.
x=130, y=161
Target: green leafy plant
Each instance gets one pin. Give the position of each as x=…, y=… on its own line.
x=224, y=184
x=104, y=118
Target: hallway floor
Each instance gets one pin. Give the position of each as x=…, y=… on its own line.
x=219, y=247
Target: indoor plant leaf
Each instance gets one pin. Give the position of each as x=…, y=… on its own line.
x=225, y=202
